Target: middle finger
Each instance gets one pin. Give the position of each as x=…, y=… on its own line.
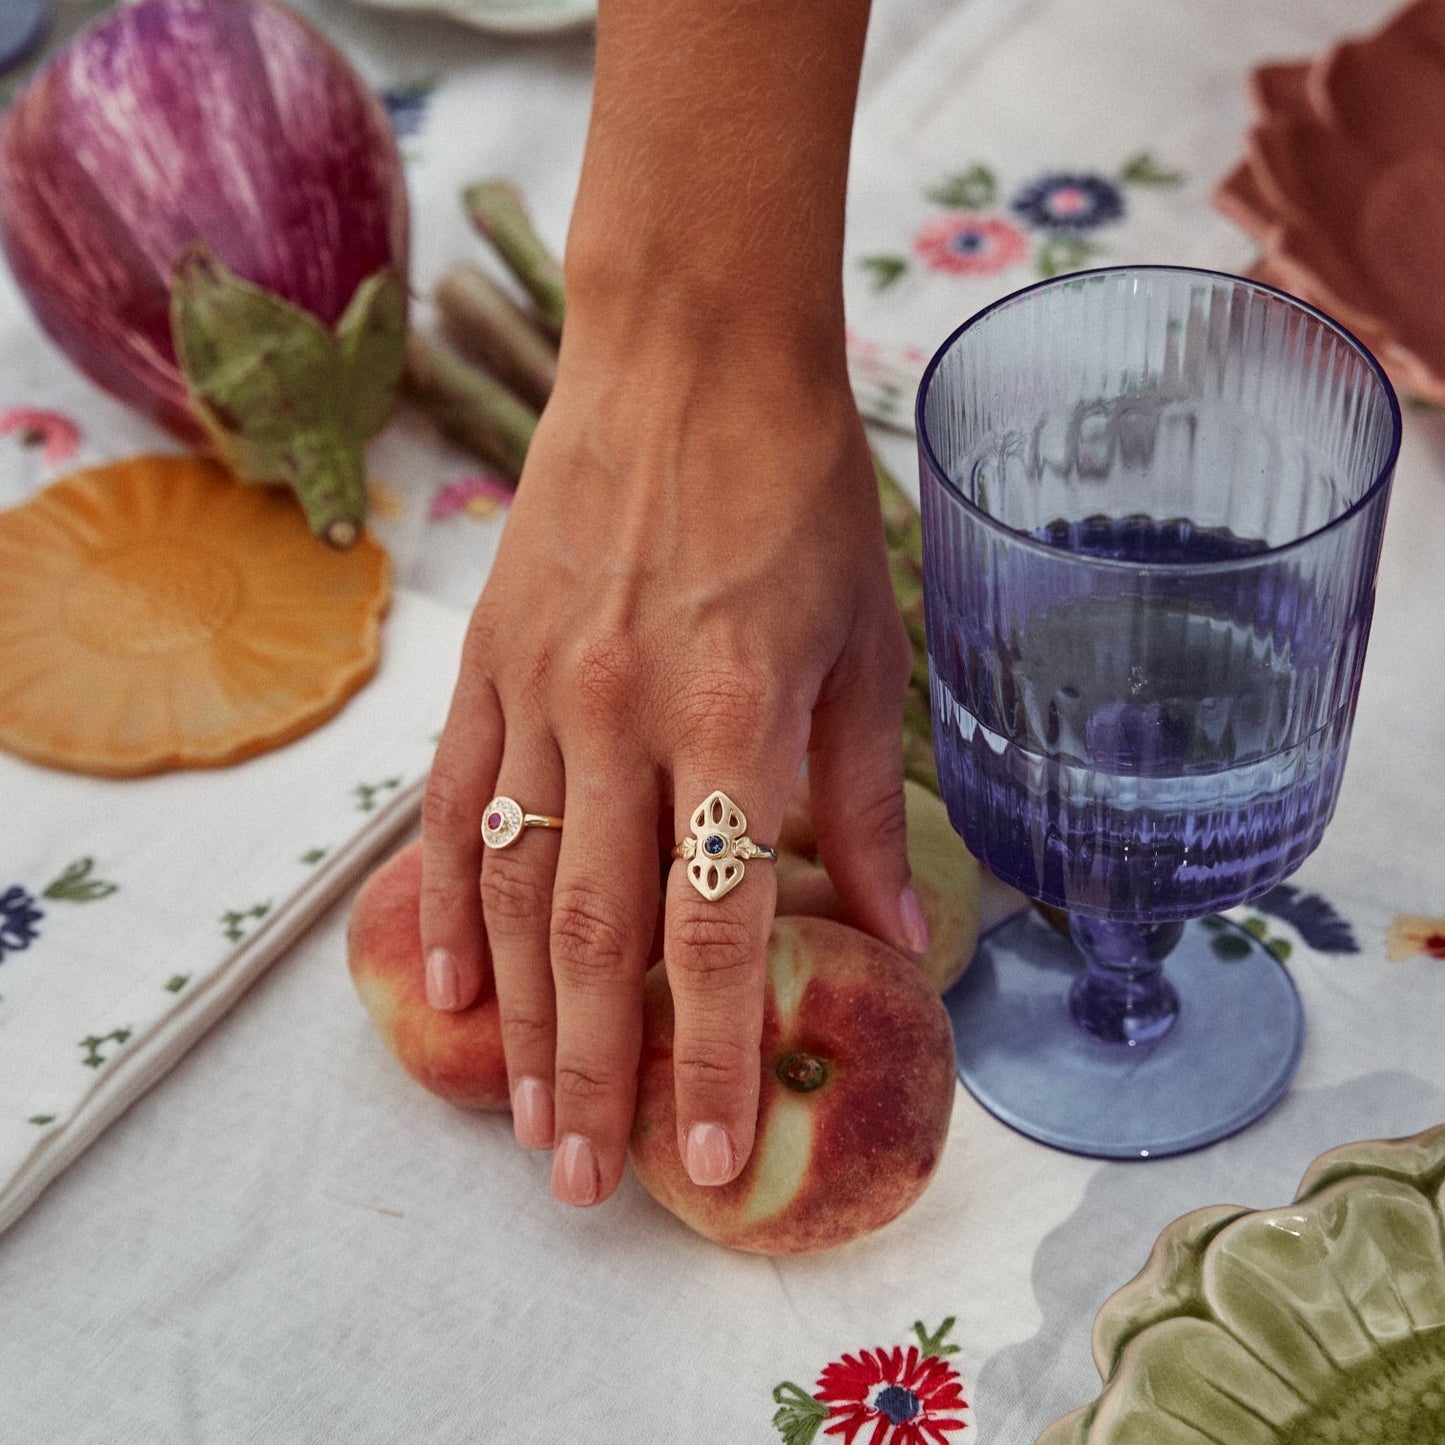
x=603, y=912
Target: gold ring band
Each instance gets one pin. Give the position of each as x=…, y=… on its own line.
x=504, y=821
x=719, y=847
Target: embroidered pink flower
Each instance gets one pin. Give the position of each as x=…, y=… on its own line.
x=971, y=245
x=902, y=1397
x=57, y=436
x=1411, y=935
x=481, y=496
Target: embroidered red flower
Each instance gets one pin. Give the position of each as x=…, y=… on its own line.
x=971, y=245
x=903, y=1397
x=900, y=1397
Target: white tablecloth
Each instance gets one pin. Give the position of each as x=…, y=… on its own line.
x=285, y=1240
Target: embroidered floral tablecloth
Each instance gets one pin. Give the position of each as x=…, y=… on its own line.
x=285, y=1240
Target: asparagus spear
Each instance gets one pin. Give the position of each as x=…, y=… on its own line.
x=475, y=410
x=497, y=211
x=486, y=324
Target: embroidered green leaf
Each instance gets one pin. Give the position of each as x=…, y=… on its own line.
x=799, y=1415
x=41, y=1119
x=1280, y=947
x=312, y=856
x=1230, y=947
x=883, y=270
x=233, y=921
x=177, y=982
x=76, y=885
x=367, y=794
x=1064, y=253
x=1213, y=922
x=1144, y=170
x=93, y=1043
x=970, y=190
x=933, y=1344
x=1255, y=926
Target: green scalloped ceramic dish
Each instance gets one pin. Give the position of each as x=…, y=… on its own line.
x=1320, y=1323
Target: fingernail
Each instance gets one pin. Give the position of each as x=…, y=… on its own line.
x=709, y=1154
x=443, y=982
x=532, y=1114
x=915, y=925
x=574, y=1171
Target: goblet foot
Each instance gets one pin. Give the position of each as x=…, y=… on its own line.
x=1225, y=1059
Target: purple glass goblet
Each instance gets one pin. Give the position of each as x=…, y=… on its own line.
x=1153, y=500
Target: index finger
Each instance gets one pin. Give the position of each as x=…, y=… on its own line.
x=720, y=908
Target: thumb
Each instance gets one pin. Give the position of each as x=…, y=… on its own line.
x=855, y=777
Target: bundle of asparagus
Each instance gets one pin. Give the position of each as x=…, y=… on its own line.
x=484, y=381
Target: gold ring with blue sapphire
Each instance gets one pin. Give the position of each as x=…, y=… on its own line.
x=719, y=847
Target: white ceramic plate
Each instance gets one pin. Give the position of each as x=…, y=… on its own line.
x=505, y=17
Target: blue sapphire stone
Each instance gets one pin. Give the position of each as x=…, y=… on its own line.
x=897, y=1403
x=714, y=845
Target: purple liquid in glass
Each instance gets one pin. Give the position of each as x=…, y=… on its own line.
x=1180, y=792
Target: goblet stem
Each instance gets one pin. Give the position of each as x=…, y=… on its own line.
x=1123, y=997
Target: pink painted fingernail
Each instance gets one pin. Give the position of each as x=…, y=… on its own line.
x=532, y=1114
x=443, y=982
x=709, y=1154
x=915, y=925
x=574, y=1171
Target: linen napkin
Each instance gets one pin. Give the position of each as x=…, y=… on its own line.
x=135, y=912
x=1028, y=138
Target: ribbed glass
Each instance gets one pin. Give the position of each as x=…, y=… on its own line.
x=1153, y=502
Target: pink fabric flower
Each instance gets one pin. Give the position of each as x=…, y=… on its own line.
x=971, y=245
x=481, y=496
x=57, y=436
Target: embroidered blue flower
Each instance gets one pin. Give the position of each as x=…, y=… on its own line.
x=1069, y=203
x=18, y=917
x=1311, y=917
x=407, y=105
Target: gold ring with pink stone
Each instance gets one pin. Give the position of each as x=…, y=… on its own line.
x=504, y=822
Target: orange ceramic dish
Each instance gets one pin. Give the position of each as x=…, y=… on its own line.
x=157, y=614
x=1343, y=185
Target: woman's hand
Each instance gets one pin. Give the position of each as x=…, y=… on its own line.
x=691, y=594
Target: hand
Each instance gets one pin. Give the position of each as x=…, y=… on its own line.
x=691, y=593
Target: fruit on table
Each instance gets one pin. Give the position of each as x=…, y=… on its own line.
x=855, y=1093
x=455, y=1055
x=946, y=878
x=856, y=1073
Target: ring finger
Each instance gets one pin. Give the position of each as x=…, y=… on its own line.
x=519, y=866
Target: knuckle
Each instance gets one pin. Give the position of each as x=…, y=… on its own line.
x=591, y=946
x=447, y=808
x=512, y=893
x=585, y=1084
x=604, y=674
x=881, y=816
x=525, y=1035
x=714, y=948
x=725, y=1064
x=725, y=701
